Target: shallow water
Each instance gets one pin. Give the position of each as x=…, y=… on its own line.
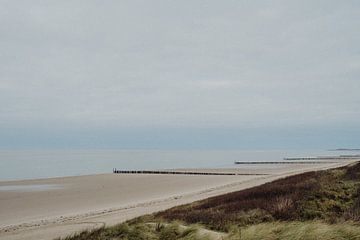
x=31, y=164
x=29, y=188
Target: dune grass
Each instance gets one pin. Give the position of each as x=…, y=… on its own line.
x=323, y=205
x=142, y=231
x=310, y=230
x=294, y=230
x=331, y=196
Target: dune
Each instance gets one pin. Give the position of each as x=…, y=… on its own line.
x=57, y=207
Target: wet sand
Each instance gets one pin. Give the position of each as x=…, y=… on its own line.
x=49, y=208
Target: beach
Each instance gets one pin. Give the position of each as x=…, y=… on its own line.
x=57, y=207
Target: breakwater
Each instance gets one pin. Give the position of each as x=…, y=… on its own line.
x=284, y=162
x=341, y=157
x=181, y=172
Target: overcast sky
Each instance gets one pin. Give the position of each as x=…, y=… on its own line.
x=131, y=73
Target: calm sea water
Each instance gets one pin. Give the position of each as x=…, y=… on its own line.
x=30, y=164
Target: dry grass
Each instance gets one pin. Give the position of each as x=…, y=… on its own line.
x=331, y=196
x=142, y=231
x=296, y=231
x=311, y=206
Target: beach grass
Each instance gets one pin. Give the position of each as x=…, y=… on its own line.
x=321, y=205
x=310, y=230
x=293, y=230
x=331, y=196
x=143, y=231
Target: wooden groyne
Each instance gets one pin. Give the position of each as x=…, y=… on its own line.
x=345, y=149
x=282, y=162
x=342, y=157
x=181, y=172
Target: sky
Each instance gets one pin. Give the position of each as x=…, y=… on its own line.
x=179, y=74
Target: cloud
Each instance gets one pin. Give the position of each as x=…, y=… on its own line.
x=179, y=64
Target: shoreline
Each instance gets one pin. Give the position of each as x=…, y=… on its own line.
x=140, y=197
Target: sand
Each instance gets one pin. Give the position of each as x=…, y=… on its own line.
x=57, y=207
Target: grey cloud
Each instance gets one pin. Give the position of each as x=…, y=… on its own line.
x=183, y=63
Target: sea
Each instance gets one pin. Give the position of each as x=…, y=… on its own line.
x=35, y=164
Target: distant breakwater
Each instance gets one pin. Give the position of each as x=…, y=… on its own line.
x=342, y=157
x=284, y=162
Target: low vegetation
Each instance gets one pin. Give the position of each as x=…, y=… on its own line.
x=143, y=231
x=331, y=196
x=311, y=230
x=315, y=205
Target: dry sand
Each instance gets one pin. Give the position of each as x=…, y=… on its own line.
x=49, y=208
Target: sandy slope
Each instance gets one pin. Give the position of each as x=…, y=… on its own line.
x=73, y=204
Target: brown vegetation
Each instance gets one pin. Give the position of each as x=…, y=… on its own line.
x=326, y=195
x=316, y=205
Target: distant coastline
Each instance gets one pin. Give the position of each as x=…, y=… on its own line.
x=345, y=149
